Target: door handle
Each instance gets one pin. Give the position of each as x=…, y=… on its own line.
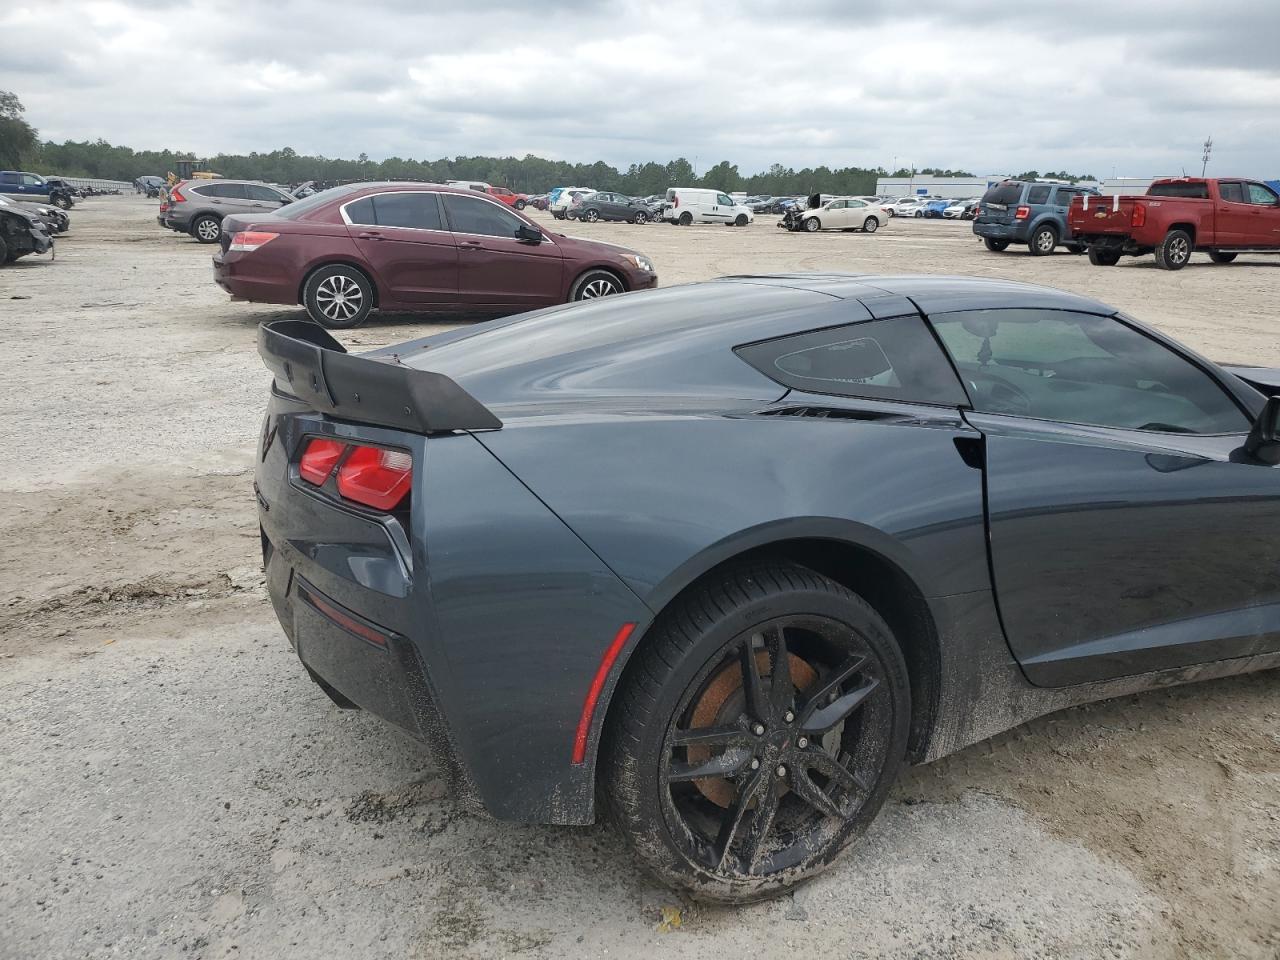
x=369, y=235
x=470, y=244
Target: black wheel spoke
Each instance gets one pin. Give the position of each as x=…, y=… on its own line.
x=728, y=735
x=781, y=689
x=752, y=683
x=733, y=817
x=837, y=773
x=721, y=765
x=760, y=821
x=823, y=718
x=815, y=796
x=831, y=686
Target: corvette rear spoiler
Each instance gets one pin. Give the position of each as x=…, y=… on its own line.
x=309, y=364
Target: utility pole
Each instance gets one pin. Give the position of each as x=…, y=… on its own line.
x=1208, y=149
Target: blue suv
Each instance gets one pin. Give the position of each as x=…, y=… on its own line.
x=1027, y=211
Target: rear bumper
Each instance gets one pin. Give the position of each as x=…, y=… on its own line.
x=1001, y=231
x=247, y=280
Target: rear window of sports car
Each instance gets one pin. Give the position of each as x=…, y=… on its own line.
x=894, y=359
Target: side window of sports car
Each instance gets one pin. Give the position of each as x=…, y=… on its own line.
x=894, y=359
x=1082, y=368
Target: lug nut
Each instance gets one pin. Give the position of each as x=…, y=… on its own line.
x=802, y=742
x=781, y=771
x=758, y=729
x=789, y=716
x=755, y=763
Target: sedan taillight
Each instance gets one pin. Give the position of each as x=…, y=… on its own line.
x=1022, y=213
x=248, y=240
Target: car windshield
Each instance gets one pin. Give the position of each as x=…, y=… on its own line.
x=300, y=207
x=1008, y=192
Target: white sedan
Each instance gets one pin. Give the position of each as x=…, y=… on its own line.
x=844, y=213
x=906, y=206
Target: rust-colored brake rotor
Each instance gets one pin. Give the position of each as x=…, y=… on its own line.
x=706, y=713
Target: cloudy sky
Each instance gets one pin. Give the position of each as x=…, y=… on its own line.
x=1124, y=87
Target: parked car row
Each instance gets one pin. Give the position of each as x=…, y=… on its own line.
x=54, y=218
x=22, y=232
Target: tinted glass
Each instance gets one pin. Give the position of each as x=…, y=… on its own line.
x=416, y=211
x=1260, y=194
x=258, y=192
x=471, y=215
x=1194, y=191
x=1038, y=194
x=301, y=207
x=895, y=359
x=361, y=211
x=1080, y=368
x=1231, y=192
x=1006, y=193
x=231, y=191
x=1063, y=197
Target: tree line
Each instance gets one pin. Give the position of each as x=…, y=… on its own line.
x=20, y=147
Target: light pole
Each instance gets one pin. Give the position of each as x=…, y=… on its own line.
x=1208, y=149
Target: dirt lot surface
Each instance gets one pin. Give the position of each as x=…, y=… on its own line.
x=172, y=785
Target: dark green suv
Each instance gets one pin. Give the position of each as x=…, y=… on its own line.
x=1027, y=211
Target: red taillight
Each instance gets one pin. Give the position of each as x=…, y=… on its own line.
x=319, y=458
x=1022, y=213
x=248, y=240
x=175, y=195
x=1139, y=216
x=376, y=477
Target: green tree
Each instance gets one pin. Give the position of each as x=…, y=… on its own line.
x=18, y=139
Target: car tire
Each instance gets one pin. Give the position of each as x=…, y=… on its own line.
x=699, y=834
x=338, y=297
x=686, y=219
x=741, y=220
x=1174, y=251
x=1043, y=241
x=1222, y=256
x=812, y=225
x=206, y=229
x=63, y=202
x=520, y=204
x=594, y=284
x=891, y=212
x=870, y=225
x=994, y=245
x=1103, y=258
x=590, y=216
x=640, y=217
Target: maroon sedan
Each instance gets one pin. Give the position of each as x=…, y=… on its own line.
x=414, y=246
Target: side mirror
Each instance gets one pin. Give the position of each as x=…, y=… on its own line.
x=1263, y=442
x=528, y=234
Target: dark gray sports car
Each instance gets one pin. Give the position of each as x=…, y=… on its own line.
x=728, y=555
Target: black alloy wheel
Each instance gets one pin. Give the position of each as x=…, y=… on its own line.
x=738, y=773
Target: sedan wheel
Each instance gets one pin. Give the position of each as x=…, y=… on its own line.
x=870, y=225
x=813, y=225
x=744, y=759
x=640, y=217
x=591, y=216
x=594, y=284
x=338, y=297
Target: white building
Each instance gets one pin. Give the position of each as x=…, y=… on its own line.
x=955, y=188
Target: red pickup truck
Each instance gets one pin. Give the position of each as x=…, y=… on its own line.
x=1223, y=217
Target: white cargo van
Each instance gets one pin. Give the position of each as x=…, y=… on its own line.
x=686, y=205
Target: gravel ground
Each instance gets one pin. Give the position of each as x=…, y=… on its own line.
x=171, y=784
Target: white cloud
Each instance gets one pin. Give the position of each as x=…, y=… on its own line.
x=1100, y=86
